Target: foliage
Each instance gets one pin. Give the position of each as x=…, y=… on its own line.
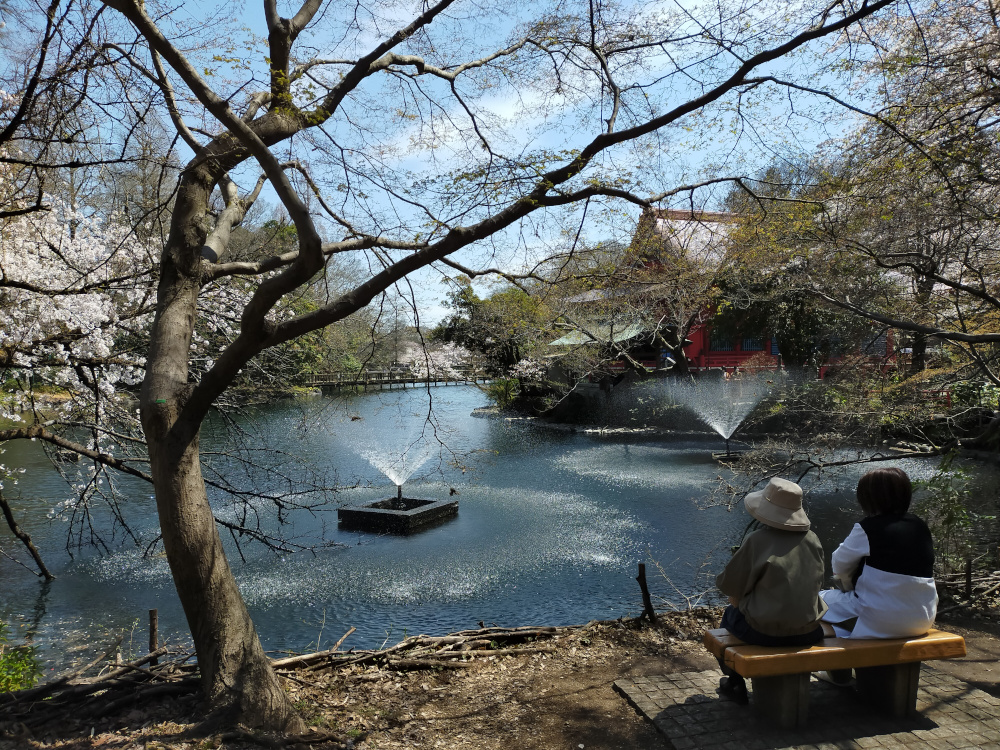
x=807, y=332
x=436, y=359
x=503, y=328
x=778, y=263
x=530, y=370
x=898, y=224
x=76, y=295
x=616, y=300
x=503, y=391
x=943, y=504
x=19, y=666
x=976, y=393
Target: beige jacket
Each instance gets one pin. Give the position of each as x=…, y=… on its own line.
x=776, y=576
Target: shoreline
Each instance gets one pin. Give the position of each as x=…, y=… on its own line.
x=904, y=448
x=553, y=691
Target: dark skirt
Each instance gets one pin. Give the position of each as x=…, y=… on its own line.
x=734, y=621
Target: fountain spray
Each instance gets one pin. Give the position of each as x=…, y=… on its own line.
x=399, y=492
x=723, y=404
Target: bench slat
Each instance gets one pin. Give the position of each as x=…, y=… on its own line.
x=830, y=653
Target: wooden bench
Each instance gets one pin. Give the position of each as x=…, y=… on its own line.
x=887, y=671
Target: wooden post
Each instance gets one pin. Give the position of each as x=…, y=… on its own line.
x=647, y=603
x=783, y=700
x=891, y=688
x=968, y=579
x=153, y=636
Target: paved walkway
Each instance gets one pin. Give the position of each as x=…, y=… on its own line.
x=686, y=709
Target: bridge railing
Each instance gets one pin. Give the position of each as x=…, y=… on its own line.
x=390, y=376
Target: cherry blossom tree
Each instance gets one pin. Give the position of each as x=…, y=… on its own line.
x=72, y=287
x=74, y=291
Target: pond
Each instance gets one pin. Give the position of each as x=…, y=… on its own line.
x=550, y=529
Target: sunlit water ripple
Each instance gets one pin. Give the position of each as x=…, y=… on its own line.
x=550, y=529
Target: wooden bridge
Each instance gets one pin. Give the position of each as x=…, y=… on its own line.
x=381, y=379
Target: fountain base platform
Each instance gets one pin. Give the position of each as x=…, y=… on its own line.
x=728, y=457
x=397, y=515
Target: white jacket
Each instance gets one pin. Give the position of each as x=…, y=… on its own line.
x=887, y=604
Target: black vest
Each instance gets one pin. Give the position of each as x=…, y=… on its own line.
x=899, y=544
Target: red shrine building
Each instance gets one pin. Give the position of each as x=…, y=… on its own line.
x=648, y=323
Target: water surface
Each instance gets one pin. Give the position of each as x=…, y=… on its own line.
x=550, y=530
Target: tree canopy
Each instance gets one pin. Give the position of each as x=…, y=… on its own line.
x=896, y=222
x=504, y=327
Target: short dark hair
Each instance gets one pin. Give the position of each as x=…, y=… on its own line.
x=885, y=491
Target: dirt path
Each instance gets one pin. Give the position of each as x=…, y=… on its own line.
x=981, y=667
x=545, y=700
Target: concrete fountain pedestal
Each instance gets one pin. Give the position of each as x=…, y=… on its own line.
x=396, y=515
x=727, y=457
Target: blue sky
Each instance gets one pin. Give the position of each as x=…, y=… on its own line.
x=714, y=142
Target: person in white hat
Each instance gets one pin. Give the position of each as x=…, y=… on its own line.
x=774, y=578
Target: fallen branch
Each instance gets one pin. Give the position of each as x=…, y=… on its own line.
x=153, y=675
x=42, y=691
x=482, y=641
x=970, y=601
x=122, y=685
x=123, y=668
x=508, y=651
x=484, y=652
x=425, y=664
x=526, y=631
x=304, y=660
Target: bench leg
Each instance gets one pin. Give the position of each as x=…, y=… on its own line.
x=783, y=700
x=891, y=688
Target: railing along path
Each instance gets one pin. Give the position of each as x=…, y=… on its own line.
x=389, y=379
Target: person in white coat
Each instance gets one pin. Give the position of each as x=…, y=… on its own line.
x=885, y=566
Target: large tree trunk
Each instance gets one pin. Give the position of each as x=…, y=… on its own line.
x=237, y=678
x=236, y=674
x=918, y=356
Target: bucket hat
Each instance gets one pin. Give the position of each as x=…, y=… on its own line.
x=779, y=505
